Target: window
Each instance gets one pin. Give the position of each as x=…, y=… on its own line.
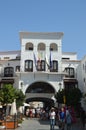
x=40, y=65
x=29, y=65
x=41, y=47
x=17, y=68
x=70, y=72
x=43, y=65
x=53, y=47
x=8, y=71
x=6, y=58
x=65, y=58
x=18, y=57
x=54, y=66
x=29, y=46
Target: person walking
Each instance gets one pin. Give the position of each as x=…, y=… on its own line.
x=83, y=117
x=61, y=115
x=68, y=120
x=52, y=115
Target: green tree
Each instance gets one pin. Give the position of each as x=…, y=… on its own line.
x=72, y=96
x=20, y=98
x=59, y=96
x=8, y=93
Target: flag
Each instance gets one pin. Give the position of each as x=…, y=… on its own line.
x=47, y=61
x=35, y=61
x=39, y=59
x=64, y=99
x=50, y=61
x=39, y=56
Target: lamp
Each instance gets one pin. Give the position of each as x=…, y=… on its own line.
x=60, y=84
x=21, y=85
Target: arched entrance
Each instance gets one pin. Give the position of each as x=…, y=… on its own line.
x=40, y=91
x=40, y=87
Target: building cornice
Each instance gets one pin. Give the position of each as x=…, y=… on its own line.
x=41, y=35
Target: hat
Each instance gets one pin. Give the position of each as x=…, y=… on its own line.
x=52, y=108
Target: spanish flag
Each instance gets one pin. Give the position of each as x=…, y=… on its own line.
x=64, y=99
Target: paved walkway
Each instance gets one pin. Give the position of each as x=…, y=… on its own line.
x=36, y=124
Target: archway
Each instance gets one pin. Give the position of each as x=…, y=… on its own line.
x=40, y=87
x=40, y=91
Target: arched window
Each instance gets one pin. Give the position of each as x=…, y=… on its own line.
x=53, y=47
x=41, y=47
x=8, y=71
x=29, y=46
x=28, y=65
x=54, y=66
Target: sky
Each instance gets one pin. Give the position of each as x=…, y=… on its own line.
x=67, y=16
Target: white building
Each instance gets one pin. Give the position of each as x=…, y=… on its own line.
x=40, y=68
x=82, y=74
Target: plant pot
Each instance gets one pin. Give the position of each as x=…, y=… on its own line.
x=11, y=124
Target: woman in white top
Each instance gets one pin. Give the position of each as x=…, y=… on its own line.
x=52, y=118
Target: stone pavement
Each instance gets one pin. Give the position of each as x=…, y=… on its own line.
x=36, y=124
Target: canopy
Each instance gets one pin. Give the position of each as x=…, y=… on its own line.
x=13, y=108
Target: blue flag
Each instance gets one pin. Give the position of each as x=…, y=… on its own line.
x=50, y=61
x=35, y=61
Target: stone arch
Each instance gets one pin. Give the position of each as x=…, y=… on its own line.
x=40, y=87
x=44, y=93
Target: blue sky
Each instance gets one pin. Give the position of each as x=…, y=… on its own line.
x=68, y=16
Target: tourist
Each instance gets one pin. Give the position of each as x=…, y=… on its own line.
x=83, y=117
x=52, y=115
x=61, y=115
x=68, y=120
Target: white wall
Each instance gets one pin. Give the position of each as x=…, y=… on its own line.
x=82, y=75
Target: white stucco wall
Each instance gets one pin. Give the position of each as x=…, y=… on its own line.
x=25, y=54
x=81, y=72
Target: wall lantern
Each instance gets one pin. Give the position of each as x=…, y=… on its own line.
x=60, y=84
x=21, y=85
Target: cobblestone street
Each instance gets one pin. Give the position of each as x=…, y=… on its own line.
x=36, y=124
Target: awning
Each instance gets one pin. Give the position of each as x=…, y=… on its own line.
x=70, y=81
x=7, y=81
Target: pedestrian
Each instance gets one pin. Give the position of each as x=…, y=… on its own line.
x=52, y=115
x=83, y=117
x=68, y=120
x=61, y=115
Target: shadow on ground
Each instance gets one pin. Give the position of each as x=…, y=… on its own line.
x=44, y=122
